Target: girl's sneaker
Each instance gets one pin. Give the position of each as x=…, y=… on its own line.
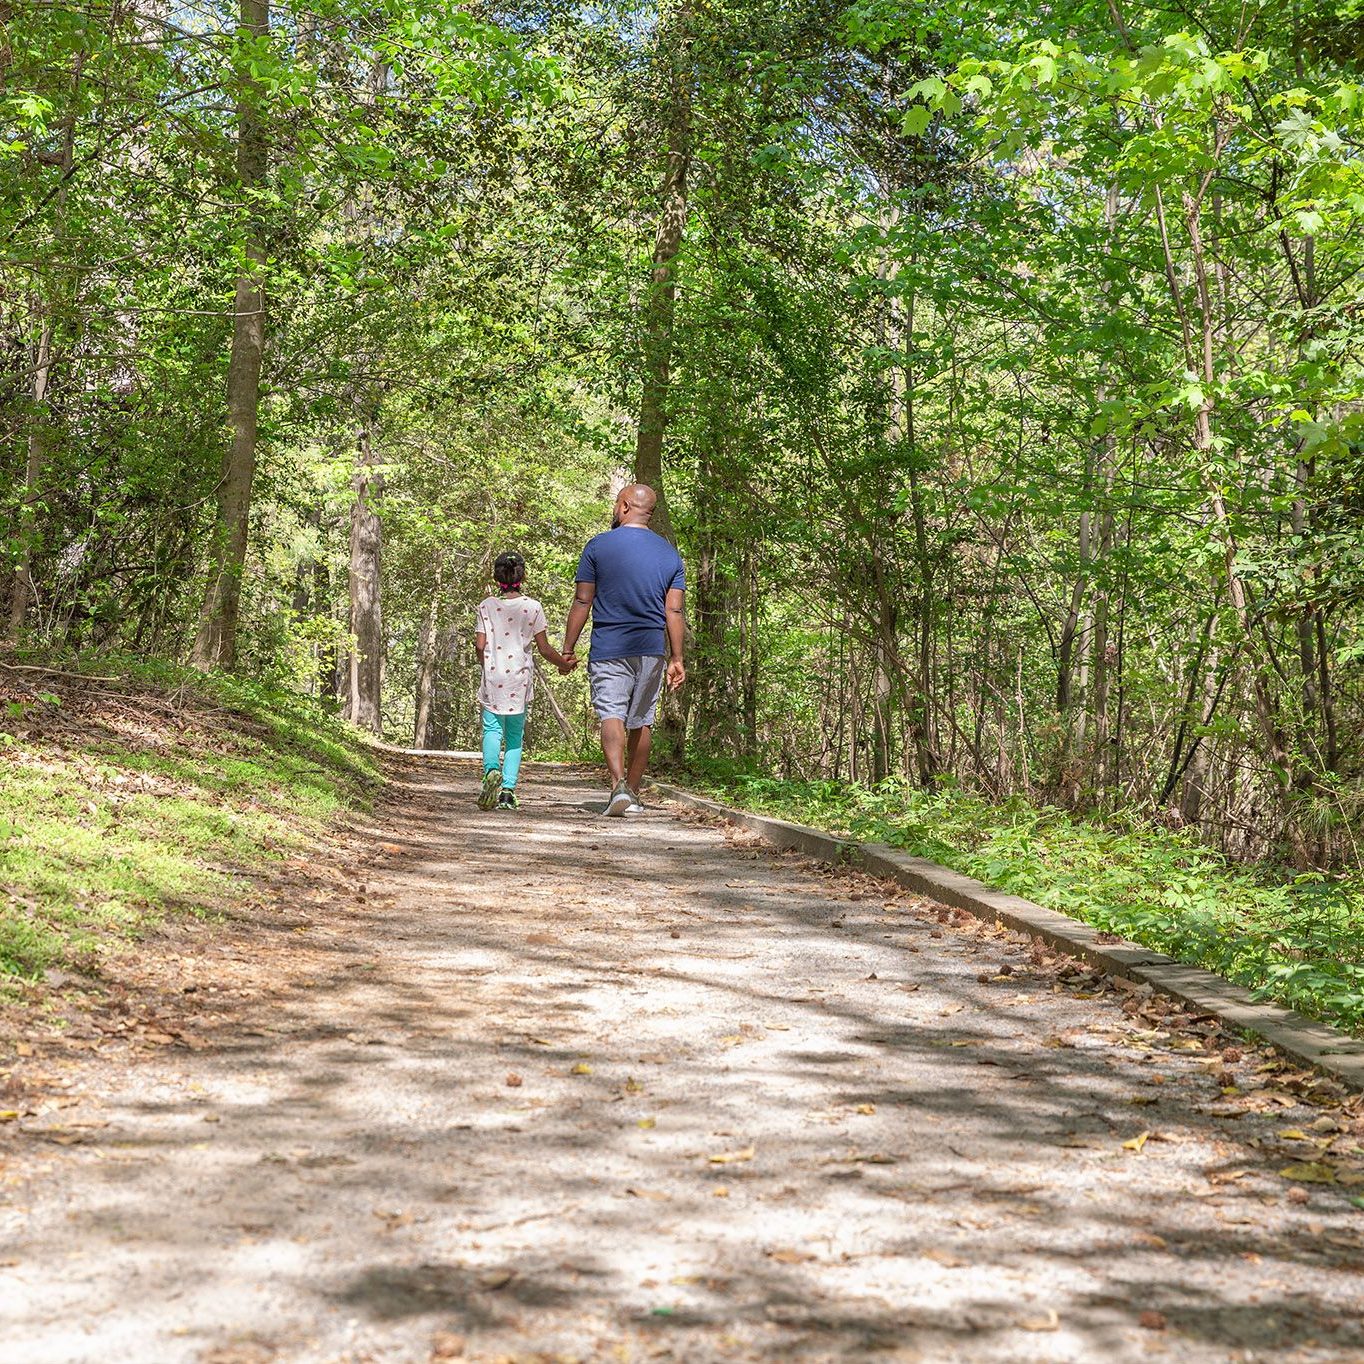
x=491, y=789
x=507, y=800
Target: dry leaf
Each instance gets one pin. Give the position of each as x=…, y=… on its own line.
x=1293, y=1134
x=1310, y=1172
x=582, y=1068
x=789, y=1257
x=866, y=1109
x=652, y=1194
x=732, y=1157
x=1137, y=1142
x=646, y=1123
x=1152, y=1321
x=513, y=1081
x=719, y=1192
x=1050, y=1322
x=496, y=1278
x=945, y=1257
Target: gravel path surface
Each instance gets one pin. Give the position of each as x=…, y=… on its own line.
x=548, y=1086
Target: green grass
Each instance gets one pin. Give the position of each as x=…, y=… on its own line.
x=118, y=810
x=1298, y=939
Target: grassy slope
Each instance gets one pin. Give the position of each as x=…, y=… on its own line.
x=123, y=803
x=1299, y=940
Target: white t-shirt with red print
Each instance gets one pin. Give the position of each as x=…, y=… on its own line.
x=510, y=625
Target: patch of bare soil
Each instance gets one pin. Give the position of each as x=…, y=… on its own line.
x=548, y=1086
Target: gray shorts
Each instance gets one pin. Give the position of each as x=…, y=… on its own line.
x=627, y=688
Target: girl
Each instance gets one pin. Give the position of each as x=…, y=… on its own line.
x=507, y=623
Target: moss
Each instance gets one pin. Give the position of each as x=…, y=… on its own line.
x=118, y=811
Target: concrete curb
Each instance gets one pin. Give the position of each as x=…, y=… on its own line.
x=1313, y=1044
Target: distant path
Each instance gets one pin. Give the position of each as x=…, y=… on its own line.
x=549, y=1086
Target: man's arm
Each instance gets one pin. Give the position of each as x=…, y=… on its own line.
x=675, y=605
x=584, y=594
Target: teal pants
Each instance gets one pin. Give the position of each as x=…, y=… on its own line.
x=497, y=731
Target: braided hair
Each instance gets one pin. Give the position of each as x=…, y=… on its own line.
x=509, y=571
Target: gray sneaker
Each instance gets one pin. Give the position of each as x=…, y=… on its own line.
x=636, y=803
x=621, y=800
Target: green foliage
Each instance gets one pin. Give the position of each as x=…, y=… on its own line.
x=1297, y=939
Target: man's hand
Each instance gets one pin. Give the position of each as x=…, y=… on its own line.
x=570, y=662
x=677, y=674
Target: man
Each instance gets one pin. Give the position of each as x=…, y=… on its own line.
x=631, y=581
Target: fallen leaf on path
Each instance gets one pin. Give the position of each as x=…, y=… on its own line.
x=513, y=1081
x=1137, y=1142
x=653, y=1194
x=1293, y=1134
x=1227, y=1176
x=496, y=1278
x=720, y=1192
x=647, y=1123
x=582, y=1068
x=633, y=1086
x=1150, y=1240
x=9, y=1115
x=1141, y=1100
x=789, y=1257
x=1152, y=1321
x=542, y=939
x=732, y=1157
x=1310, y=1172
x=950, y=1009
x=866, y=1109
x=945, y=1258
x=1050, y=1322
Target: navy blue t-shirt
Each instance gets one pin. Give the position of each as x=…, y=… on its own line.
x=633, y=567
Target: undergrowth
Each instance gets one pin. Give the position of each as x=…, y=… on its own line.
x=124, y=801
x=1294, y=938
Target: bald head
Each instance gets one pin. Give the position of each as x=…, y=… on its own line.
x=635, y=505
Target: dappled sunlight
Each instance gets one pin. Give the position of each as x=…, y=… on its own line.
x=563, y=1084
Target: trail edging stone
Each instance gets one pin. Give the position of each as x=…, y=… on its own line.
x=1316, y=1044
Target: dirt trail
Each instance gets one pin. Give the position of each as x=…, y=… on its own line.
x=556, y=1087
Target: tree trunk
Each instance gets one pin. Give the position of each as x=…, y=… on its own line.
x=660, y=302
x=366, y=617
x=216, y=642
x=427, y=661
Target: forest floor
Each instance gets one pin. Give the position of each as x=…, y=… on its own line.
x=548, y=1086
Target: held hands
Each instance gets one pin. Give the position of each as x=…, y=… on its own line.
x=567, y=663
x=677, y=674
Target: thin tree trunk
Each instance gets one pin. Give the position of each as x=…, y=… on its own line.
x=216, y=642
x=366, y=616
x=660, y=302
x=426, y=663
